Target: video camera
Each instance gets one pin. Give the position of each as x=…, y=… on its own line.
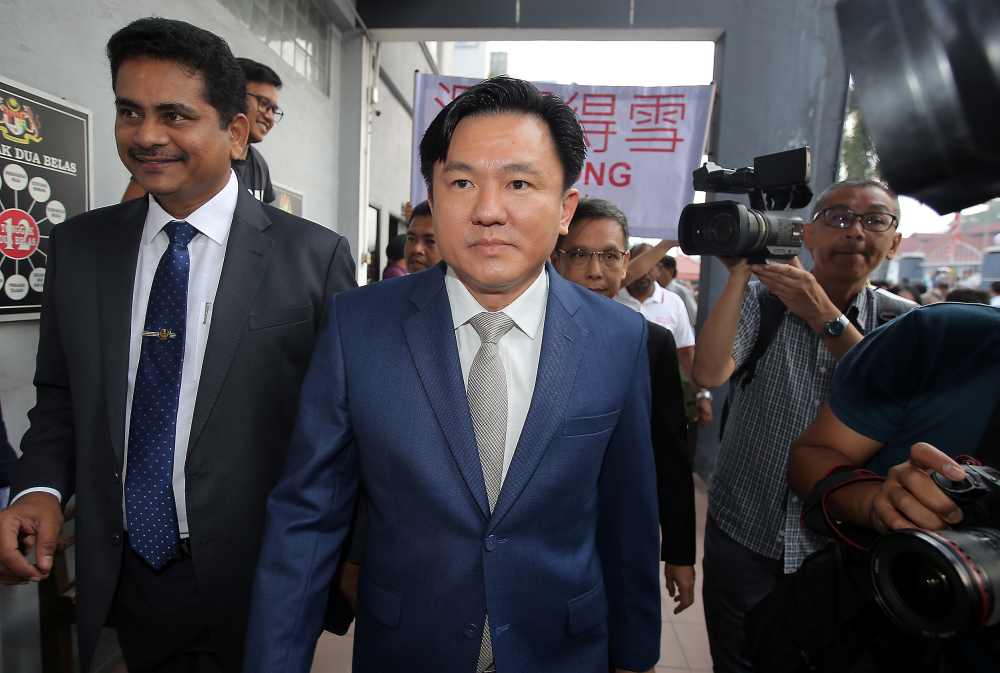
x=776, y=182
x=943, y=583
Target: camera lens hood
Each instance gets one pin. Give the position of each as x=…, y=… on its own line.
x=938, y=583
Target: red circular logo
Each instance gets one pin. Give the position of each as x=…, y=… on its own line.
x=19, y=234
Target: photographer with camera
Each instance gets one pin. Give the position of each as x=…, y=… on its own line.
x=777, y=342
x=907, y=405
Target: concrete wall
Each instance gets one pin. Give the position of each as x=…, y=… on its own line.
x=392, y=132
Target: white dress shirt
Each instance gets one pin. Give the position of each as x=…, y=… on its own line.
x=207, y=249
x=519, y=349
x=664, y=308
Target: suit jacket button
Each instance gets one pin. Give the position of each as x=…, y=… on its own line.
x=472, y=631
x=117, y=476
x=116, y=539
x=491, y=542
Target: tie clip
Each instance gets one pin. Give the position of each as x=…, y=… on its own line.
x=163, y=334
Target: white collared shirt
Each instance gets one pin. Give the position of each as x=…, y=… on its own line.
x=664, y=308
x=207, y=249
x=519, y=349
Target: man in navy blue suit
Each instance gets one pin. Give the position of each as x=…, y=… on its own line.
x=498, y=418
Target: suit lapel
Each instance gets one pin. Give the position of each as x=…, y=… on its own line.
x=431, y=338
x=562, y=348
x=247, y=255
x=116, y=279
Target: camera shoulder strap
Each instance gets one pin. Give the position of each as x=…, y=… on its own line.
x=772, y=311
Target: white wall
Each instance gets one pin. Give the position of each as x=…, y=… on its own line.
x=392, y=131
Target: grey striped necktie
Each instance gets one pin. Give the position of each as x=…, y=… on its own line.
x=487, y=391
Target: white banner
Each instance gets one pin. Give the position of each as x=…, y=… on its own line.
x=643, y=143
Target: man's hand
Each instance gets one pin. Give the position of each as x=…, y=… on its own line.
x=799, y=291
x=736, y=265
x=909, y=498
x=33, y=522
x=680, y=585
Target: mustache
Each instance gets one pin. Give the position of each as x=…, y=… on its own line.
x=851, y=250
x=142, y=155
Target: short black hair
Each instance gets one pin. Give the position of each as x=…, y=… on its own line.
x=422, y=209
x=995, y=286
x=968, y=295
x=500, y=95
x=638, y=249
x=258, y=72
x=191, y=47
x=396, y=248
x=669, y=262
x=856, y=184
x=596, y=209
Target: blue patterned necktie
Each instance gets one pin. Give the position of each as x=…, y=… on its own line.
x=149, y=492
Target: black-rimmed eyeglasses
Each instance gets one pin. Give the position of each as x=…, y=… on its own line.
x=842, y=217
x=264, y=104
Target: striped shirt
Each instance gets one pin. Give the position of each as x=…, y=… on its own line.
x=749, y=498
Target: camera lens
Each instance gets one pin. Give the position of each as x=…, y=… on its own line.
x=722, y=228
x=939, y=583
x=922, y=586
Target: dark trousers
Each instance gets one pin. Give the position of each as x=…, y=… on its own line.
x=161, y=619
x=736, y=579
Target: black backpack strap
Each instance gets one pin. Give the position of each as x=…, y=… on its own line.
x=772, y=311
x=889, y=306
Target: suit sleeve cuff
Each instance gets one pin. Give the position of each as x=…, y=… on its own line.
x=37, y=489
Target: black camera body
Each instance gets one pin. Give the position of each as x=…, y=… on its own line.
x=729, y=229
x=978, y=495
x=939, y=584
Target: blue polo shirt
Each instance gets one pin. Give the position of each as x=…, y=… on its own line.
x=932, y=375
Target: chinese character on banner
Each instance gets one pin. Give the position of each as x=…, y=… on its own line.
x=655, y=118
x=449, y=92
x=596, y=113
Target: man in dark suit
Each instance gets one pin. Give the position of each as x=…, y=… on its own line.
x=175, y=334
x=498, y=417
x=594, y=254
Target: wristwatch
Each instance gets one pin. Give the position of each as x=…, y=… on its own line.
x=703, y=395
x=836, y=327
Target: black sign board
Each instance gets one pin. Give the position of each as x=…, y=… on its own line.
x=45, y=151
